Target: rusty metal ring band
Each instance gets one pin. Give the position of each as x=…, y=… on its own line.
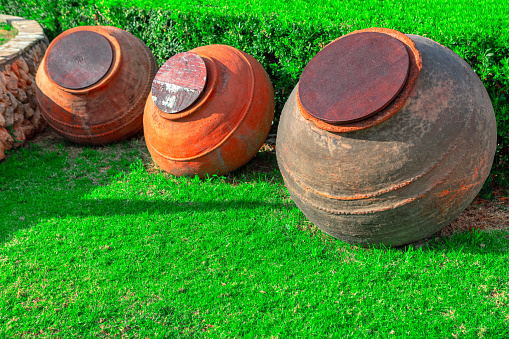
x=117, y=58
x=392, y=107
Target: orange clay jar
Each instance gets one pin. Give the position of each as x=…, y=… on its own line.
x=93, y=82
x=209, y=111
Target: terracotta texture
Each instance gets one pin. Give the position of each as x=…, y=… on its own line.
x=226, y=124
x=398, y=178
x=105, y=103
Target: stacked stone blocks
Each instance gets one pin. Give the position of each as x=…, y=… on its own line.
x=20, y=119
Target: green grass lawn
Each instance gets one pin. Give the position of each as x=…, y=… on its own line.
x=92, y=245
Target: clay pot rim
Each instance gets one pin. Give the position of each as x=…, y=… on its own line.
x=113, y=70
x=394, y=106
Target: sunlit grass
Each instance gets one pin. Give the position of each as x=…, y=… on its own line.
x=92, y=244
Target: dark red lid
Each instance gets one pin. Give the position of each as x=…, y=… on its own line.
x=179, y=82
x=354, y=77
x=79, y=60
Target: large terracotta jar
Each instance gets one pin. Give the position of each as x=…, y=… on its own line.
x=93, y=82
x=386, y=138
x=209, y=111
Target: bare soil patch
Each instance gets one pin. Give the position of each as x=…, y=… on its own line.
x=482, y=214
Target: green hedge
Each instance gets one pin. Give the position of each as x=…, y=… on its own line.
x=285, y=35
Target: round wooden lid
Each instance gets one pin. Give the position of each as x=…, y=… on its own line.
x=354, y=77
x=79, y=60
x=179, y=82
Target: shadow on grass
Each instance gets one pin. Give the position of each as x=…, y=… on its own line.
x=105, y=207
x=29, y=210
x=54, y=203
x=51, y=178
x=66, y=204
x=262, y=167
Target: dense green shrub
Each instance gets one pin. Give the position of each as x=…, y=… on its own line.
x=285, y=35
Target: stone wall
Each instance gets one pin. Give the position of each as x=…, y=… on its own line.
x=20, y=119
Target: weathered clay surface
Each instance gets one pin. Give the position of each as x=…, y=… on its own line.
x=20, y=118
x=402, y=179
x=224, y=128
x=110, y=109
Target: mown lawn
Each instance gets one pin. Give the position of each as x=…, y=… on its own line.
x=97, y=243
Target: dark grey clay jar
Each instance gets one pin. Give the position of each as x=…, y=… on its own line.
x=389, y=175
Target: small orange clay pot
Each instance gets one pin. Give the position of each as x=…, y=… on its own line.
x=209, y=111
x=93, y=82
